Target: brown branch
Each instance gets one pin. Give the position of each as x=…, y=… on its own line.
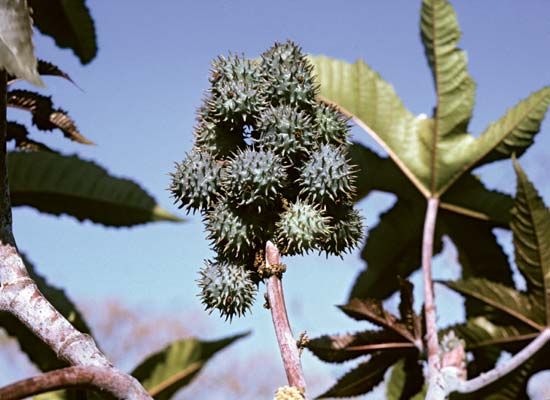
x=20, y=296
x=434, y=364
x=287, y=344
x=108, y=380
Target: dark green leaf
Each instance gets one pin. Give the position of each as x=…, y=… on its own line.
x=372, y=310
x=58, y=184
x=406, y=381
x=363, y=378
x=503, y=298
x=37, y=351
x=69, y=23
x=167, y=371
x=340, y=348
x=392, y=249
x=469, y=197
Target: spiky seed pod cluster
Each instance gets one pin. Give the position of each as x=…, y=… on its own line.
x=326, y=175
x=226, y=287
x=255, y=177
x=286, y=130
x=269, y=163
x=289, y=77
x=300, y=228
x=196, y=182
x=331, y=125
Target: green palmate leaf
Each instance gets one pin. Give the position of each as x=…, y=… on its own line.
x=500, y=297
x=69, y=23
x=37, y=351
x=406, y=310
x=406, y=381
x=392, y=249
x=432, y=153
x=454, y=87
x=531, y=228
x=479, y=332
x=340, y=348
x=515, y=131
x=44, y=115
x=363, y=378
x=58, y=184
x=372, y=310
x=378, y=173
x=16, y=48
x=469, y=197
x=167, y=371
x=362, y=94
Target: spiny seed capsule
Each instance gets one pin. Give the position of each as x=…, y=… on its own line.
x=327, y=175
x=346, y=230
x=288, y=76
x=285, y=130
x=196, y=182
x=232, y=233
x=227, y=288
x=217, y=139
x=301, y=228
x=331, y=125
x=254, y=177
x=236, y=102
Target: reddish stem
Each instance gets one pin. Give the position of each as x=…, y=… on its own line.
x=287, y=344
x=429, y=303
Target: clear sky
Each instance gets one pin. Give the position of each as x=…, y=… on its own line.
x=138, y=103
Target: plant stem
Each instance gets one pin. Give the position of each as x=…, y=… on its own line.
x=429, y=302
x=287, y=344
x=505, y=368
x=20, y=296
x=104, y=379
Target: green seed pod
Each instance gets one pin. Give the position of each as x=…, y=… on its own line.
x=217, y=139
x=232, y=233
x=236, y=91
x=327, y=175
x=254, y=177
x=346, y=230
x=196, y=182
x=288, y=75
x=301, y=228
x=285, y=130
x=226, y=287
x=331, y=126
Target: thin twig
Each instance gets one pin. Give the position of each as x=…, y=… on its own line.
x=505, y=368
x=108, y=380
x=287, y=343
x=429, y=302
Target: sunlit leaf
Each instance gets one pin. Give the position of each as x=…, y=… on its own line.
x=167, y=371
x=531, y=228
x=16, y=47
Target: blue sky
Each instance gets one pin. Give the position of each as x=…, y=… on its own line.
x=138, y=103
